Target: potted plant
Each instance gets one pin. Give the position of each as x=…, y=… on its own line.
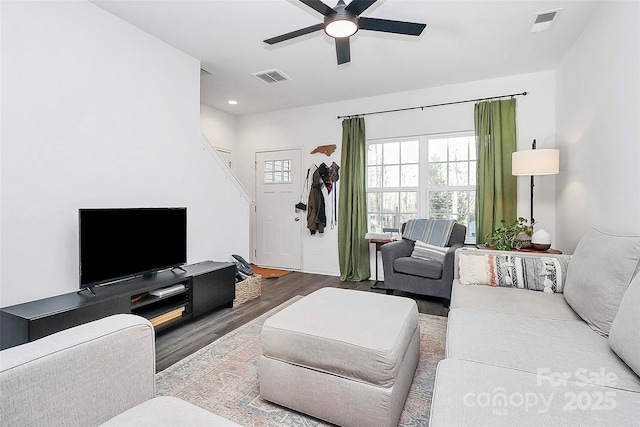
x=510, y=237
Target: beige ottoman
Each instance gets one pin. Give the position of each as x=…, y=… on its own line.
x=344, y=356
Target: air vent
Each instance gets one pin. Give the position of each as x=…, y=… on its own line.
x=271, y=76
x=545, y=20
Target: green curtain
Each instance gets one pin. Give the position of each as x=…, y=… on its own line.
x=495, y=126
x=353, y=249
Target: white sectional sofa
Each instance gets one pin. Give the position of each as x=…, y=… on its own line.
x=566, y=353
x=98, y=373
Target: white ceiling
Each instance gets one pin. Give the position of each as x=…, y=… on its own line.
x=463, y=41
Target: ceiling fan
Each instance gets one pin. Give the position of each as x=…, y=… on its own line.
x=342, y=21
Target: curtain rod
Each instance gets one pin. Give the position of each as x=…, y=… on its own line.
x=433, y=105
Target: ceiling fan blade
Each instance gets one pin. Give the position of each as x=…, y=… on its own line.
x=342, y=50
x=358, y=6
x=319, y=7
x=293, y=34
x=388, y=26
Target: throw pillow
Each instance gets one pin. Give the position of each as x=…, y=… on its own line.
x=599, y=273
x=538, y=273
x=424, y=250
x=473, y=269
x=624, y=337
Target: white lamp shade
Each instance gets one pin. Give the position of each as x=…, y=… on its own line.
x=535, y=162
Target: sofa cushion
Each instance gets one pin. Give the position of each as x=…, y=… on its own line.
x=476, y=394
x=168, y=411
x=418, y=267
x=624, y=336
x=50, y=380
x=566, y=347
x=599, y=273
x=512, y=301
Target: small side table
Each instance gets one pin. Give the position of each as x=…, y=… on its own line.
x=379, y=243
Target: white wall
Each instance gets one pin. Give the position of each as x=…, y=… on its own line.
x=219, y=127
x=598, y=107
x=317, y=125
x=96, y=113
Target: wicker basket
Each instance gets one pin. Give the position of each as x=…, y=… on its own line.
x=248, y=289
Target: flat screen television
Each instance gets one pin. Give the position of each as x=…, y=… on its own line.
x=121, y=243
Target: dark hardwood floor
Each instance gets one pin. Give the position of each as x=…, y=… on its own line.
x=178, y=342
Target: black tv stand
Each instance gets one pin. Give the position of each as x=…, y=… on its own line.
x=88, y=288
x=197, y=289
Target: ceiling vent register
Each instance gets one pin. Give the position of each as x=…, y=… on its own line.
x=545, y=20
x=272, y=76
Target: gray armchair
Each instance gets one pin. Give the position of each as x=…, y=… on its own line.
x=418, y=276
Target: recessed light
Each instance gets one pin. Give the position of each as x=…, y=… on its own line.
x=232, y=102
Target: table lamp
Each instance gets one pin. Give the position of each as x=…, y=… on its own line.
x=535, y=162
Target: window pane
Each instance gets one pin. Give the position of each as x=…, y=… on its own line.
x=472, y=173
x=458, y=149
x=440, y=202
x=374, y=176
x=437, y=174
x=409, y=177
x=374, y=154
x=410, y=152
x=375, y=224
x=472, y=148
x=391, y=176
x=459, y=173
x=461, y=202
x=388, y=220
x=268, y=177
x=437, y=150
x=409, y=202
x=373, y=202
x=390, y=202
x=391, y=153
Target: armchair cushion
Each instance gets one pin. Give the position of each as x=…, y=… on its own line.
x=418, y=267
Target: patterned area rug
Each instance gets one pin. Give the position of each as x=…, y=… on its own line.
x=223, y=377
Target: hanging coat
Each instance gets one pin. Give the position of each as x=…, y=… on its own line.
x=316, y=215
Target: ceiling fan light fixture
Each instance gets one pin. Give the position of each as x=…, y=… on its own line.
x=340, y=26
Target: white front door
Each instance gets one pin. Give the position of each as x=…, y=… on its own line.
x=278, y=225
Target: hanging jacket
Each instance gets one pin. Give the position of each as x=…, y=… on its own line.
x=316, y=215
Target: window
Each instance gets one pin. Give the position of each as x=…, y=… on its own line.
x=451, y=186
x=277, y=171
x=397, y=190
x=392, y=183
